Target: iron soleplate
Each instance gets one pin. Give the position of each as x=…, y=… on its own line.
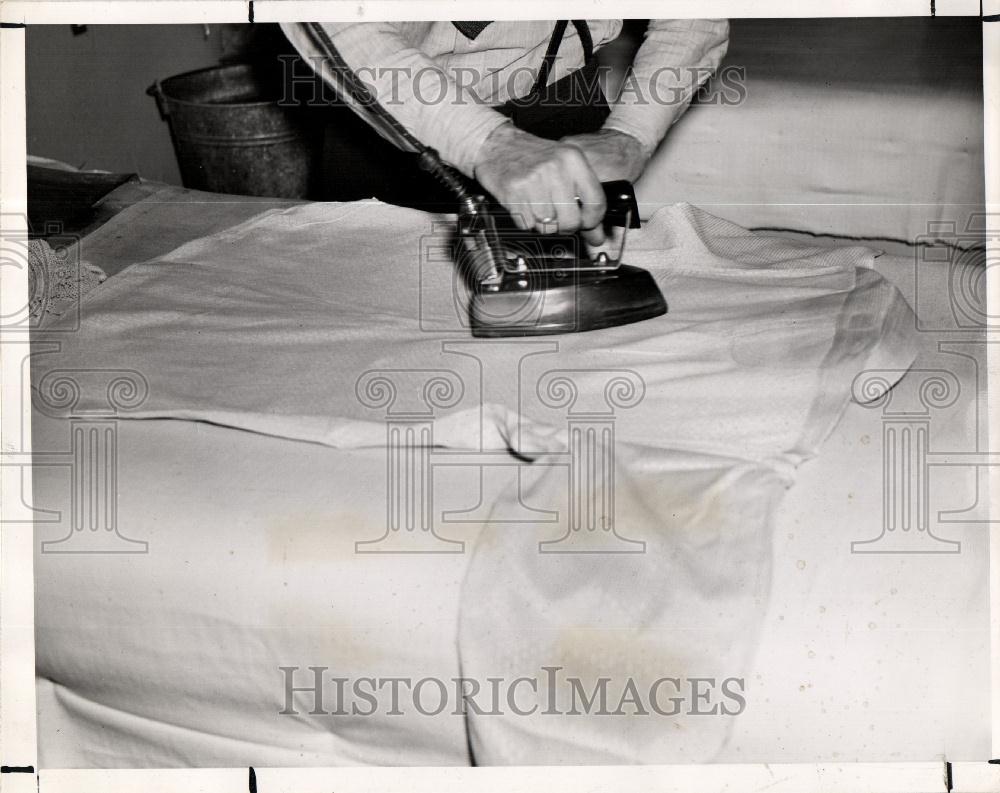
x=543, y=303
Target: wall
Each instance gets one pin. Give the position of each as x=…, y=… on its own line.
x=86, y=93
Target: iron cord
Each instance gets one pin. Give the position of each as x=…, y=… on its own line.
x=355, y=89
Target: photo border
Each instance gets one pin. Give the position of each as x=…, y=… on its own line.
x=18, y=732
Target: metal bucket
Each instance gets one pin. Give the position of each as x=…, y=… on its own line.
x=231, y=135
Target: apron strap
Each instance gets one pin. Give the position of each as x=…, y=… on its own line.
x=550, y=56
x=586, y=41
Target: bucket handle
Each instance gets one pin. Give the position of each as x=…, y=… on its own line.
x=156, y=91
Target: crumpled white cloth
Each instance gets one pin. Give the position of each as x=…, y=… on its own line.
x=638, y=653
x=324, y=322
x=281, y=324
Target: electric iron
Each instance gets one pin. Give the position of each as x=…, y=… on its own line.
x=521, y=283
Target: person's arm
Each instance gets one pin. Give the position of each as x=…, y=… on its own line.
x=544, y=184
x=416, y=91
x=676, y=57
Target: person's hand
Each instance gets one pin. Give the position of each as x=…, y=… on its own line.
x=544, y=184
x=611, y=154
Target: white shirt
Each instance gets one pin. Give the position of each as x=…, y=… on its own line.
x=441, y=85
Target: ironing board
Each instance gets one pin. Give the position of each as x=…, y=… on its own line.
x=866, y=128
x=214, y=504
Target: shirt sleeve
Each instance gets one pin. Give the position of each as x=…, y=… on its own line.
x=425, y=99
x=676, y=57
